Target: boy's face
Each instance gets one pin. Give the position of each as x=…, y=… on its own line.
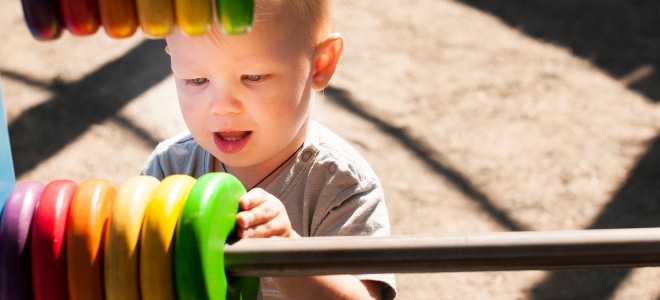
x=245, y=98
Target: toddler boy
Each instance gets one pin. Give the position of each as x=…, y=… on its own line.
x=246, y=100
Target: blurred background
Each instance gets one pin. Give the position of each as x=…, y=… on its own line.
x=478, y=116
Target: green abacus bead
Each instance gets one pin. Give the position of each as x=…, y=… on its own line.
x=206, y=221
x=236, y=16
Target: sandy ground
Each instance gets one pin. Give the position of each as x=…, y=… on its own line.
x=478, y=115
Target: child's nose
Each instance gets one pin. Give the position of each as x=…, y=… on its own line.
x=224, y=102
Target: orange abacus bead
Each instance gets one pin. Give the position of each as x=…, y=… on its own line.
x=89, y=213
x=119, y=17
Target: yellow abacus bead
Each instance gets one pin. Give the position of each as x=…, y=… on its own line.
x=121, y=246
x=193, y=16
x=156, y=17
x=156, y=240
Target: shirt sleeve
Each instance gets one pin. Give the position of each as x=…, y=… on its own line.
x=178, y=155
x=152, y=167
x=361, y=211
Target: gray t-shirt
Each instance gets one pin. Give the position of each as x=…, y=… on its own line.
x=328, y=190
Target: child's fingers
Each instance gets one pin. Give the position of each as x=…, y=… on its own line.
x=257, y=215
x=275, y=228
x=263, y=215
x=254, y=198
x=255, y=208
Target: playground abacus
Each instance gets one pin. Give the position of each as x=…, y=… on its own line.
x=172, y=238
x=47, y=19
x=94, y=241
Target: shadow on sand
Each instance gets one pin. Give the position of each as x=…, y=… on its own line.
x=47, y=128
x=623, y=39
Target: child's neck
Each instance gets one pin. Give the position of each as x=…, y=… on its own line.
x=253, y=176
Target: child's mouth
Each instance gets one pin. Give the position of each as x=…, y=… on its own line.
x=230, y=142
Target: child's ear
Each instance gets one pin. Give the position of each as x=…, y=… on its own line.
x=167, y=49
x=326, y=58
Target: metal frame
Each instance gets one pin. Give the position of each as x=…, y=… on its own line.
x=504, y=251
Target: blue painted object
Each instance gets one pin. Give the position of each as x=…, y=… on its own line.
x=7, y=176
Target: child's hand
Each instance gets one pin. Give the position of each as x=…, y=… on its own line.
x=262, y=215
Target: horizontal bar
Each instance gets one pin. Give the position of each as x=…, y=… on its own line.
x=503, y=251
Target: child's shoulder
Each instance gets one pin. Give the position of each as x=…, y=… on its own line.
x=181, y=138
x=180, y=142
x=333, y=149
x=180, y=145
x=179, y=154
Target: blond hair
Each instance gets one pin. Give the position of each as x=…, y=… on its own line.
x=310, y=19
x=307, y=21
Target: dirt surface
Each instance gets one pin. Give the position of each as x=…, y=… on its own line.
x=478, y=115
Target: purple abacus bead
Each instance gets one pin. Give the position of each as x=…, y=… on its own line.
x=43, y=18
x=15, y=277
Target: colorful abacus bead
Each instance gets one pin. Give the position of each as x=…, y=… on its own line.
x=235, y=16
x=157, y=18
x=88, y=218
x=43, y=18
x=48, y=239
x=157, y=237
x=118, y=17
x=121, y=274
x=206, y=222
x=193, y=16
x=81, y=17
x=15, y=277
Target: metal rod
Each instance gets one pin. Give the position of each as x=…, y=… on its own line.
x=505, y=251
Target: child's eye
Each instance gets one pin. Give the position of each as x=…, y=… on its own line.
x=197, y=81
x=253, y=78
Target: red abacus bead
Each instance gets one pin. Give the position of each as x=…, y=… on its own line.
x=81, y=17
x=48, y=239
